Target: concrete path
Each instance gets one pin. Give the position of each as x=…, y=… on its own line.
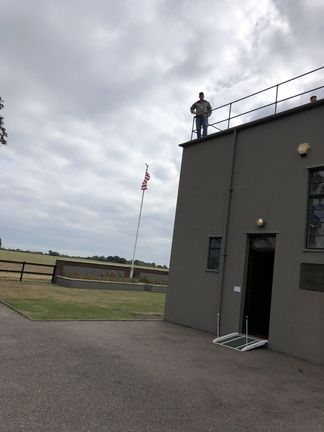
x=147, y=376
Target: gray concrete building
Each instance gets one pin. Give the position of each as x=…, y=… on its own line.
x=249, y=233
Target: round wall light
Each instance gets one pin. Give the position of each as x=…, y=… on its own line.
x=260, y=222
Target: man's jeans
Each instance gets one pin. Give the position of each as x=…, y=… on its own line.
x=201, y=122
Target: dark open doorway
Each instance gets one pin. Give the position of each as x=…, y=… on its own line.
x=259, y=285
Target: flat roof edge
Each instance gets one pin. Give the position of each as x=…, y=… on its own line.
x=266, y=119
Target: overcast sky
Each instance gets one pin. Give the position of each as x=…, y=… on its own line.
x=94, y=90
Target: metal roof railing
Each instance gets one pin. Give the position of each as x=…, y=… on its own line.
x=232, y=115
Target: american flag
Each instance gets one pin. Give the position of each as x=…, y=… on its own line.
x=146, y=179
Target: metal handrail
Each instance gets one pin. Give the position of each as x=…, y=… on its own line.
x=275, y=103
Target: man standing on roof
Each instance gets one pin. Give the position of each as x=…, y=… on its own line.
x=202, y=110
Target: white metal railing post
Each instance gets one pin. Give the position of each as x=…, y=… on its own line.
x=276, y=101
x=229, y=115
x=192, y=129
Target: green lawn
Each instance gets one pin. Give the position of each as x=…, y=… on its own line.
x=40, y=299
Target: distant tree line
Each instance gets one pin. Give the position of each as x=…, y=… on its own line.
x=110, y=259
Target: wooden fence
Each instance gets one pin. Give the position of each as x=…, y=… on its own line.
x=23, y=269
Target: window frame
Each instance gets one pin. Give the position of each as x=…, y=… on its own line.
x=214, y=253
x=313, y=213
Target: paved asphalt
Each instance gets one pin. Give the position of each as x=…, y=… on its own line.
x=128, y=376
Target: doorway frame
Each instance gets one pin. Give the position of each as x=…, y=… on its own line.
x=249, y=238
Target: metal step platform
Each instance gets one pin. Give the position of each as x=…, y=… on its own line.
x=240, y=342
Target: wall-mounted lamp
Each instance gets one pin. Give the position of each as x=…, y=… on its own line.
x=303, y=149
x=260, y=222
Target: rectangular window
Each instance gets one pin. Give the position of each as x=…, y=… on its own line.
x=214, y=253
x=315, y=219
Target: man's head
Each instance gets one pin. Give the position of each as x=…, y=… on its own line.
x=313, y=98
x=201, y=95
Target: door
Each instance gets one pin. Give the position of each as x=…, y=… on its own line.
x=259, y=285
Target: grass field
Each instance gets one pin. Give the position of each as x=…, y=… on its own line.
x=38, y=298
x=40, y=258
x=25, y=256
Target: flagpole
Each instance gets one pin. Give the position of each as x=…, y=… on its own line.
x=139, y=221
